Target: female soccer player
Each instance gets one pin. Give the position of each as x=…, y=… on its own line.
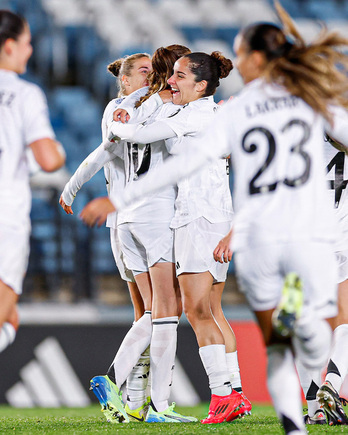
x=337, y=369
x=131, y=72
x=146, y=242
x=134, y=112
x=327, y=396
x=284, y=230
x=24, y=122
x=203, y=212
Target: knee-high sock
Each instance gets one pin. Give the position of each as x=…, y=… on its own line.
x=233, y=370
x=312, y=342
x=213, y=358
x=338, y=365
x=133, y=345
x=137, y=381
x=7, y=335
x=284, y=388
x=310, y=382
x=162, y=360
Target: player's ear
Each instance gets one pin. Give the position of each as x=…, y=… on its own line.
x=8, y=45
x=259, y=59
x=201, y=86
x=125, y=80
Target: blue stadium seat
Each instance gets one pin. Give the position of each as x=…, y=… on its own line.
x=227, y=34
x=324, y=9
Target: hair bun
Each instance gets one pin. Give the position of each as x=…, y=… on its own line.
x=114, y=67
x=225, y=65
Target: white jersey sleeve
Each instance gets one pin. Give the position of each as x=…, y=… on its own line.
x=87, y=169
x=141, y=134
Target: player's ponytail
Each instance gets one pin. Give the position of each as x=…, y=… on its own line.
x=210, y=68
x=163, y=61
x=11, y=26
x=315, y=72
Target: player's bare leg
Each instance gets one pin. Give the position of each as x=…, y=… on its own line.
x=8, y=315
x=8, y=300
x=230, y=342
x=225, y=403
x=137, y=300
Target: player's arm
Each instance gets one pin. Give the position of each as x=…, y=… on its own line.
x=136, y=115
x=140, y=134
x=87, y=169
x=48, y=153
x=125, y=110
x=223, y=252
x=200, y=153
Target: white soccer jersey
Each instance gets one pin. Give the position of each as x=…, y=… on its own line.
x=206, y=193
x=280, y=191
x=24, y=119
x=141, y=160
x=113, y=169
x=337, y=178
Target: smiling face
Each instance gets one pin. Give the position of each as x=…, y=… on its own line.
x=184, y=87
x=138, y=76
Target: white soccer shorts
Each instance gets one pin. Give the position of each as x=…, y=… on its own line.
x=125, y=273
x=261, y=272
x=194, y=245
x=144, y=244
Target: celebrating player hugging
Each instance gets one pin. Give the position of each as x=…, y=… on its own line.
x=284, y=229
x=167, y=151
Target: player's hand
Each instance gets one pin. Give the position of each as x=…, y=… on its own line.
x=223, y=252
x=121, y=115
x=166, y=96
x=66, y=208
x=96, y=211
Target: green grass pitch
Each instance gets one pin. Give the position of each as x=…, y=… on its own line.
x=69, y=421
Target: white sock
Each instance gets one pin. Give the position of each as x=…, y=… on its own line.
x=233, y=370
x=162, y=360
x=7, y=335
x=213, y=358
x=310, y=382
x=284, y=388
x=312, y=342
x=133, y=345
x=338, y=364
x=137, y=381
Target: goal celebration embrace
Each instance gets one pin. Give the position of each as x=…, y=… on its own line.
x=195, y=186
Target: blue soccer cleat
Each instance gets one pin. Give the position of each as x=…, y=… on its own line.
x=109, y=397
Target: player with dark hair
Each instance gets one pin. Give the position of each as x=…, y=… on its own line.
x=24, y=124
